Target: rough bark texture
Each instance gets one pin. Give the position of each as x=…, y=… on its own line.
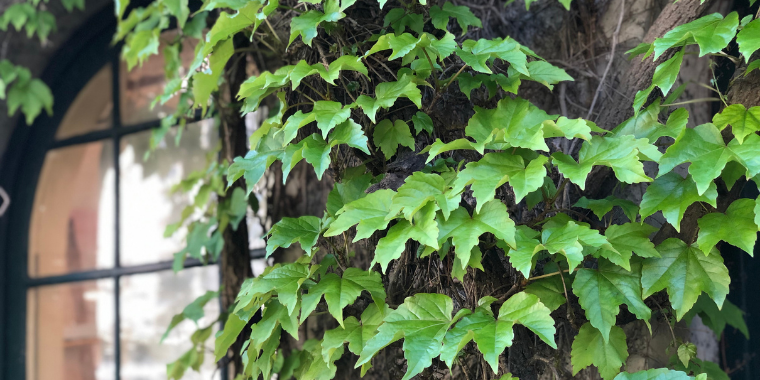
x=235, y=265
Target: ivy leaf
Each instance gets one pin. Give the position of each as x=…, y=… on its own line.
x=570, y=128
x=717, y=318
x=228, y=24
x=565, y=237
x=590, y=347
x=422, y=122
x=515, y=122
x=712, y=33
x=418, y=190
x=342, y=63
x=286, y=280
x=521, y=257
x=703, y=146
x=399, y=20
x=424, y=230
x=401, y=45
x=353, y=332
x=748, y=39
x=351, y=134
x=369, y=212
x=619, y=153
x=389, y=135
x=601, y=292
x=673, y=194
x=626, y=239
x=304, y=230
x=493, y=335
x=736, y=227
x=305, y=24
x=352, y=188
x=549, y=290
x=686, y=352
x=193, y=311
x=341, y=292
x=440, y=16
x=646, y=124
x=422, y=320
x=459, y=269
x=477, y=53
x=386, y=94
x=314, y=149
x=465, y=230
x=542, y=72
x=666, y=73
x=685, y=272
x=743, y=121
x=601, y=207
x=509, y=167
x=329, y=114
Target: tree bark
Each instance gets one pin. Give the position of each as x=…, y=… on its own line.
x=235, y=264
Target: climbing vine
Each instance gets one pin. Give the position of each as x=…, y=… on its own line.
x=371, y=101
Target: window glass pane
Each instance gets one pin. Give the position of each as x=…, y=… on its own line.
x=148, y=303
x=70, y=331
x=92, y=109
x=147, y=204
x=141, y=85
x=72, y=225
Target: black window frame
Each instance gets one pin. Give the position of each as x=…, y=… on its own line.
x=88, y=50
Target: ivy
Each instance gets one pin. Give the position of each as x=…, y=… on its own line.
x=499, y=184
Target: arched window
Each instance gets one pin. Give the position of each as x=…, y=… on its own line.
x=89, y=288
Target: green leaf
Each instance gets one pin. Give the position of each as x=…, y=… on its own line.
x=743, y=121
x=424, y=230
x=369, y=212
x=619, y=153
x=305, y=24
x=666, y=73
x=549, y=290
x=493, y=335
x=565, y=237
x=736, y=227
x=459, y=269
x=509, y=167
x=228, y=24
x=522, y=256
x=717, y=318
x=712, y=33
x=570, y=128
x=601, y=292
x=422, y=320
x=329, y=114
x=465, y=230
x=703, y=146
x=386, y=94
x=340, y=292
x=193, y=311
x=686, y=352
x=207, y=82
x=440, y=16
x=646, y=124
x=389, y=135
x=422, y=122
x=626, y=239
x=590, y=347
x=399, y=20
x=542, y=72
x=749, y=39
x=349, y=133
x=178, y=9
x=304, y=230
x=601, y=207
x=286, y=280
x=352, y=188
x=353, y=332
x=477, y=53
x=32, y=96
x=515, y=122
x=673, y=194
x=685, y=272
x=420, y=189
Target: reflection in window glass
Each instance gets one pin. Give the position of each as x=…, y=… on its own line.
x=72, y=225
x=70, y=330
x=144, y=83
x=92, y=109
x=147, y=204
x=148, y=303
